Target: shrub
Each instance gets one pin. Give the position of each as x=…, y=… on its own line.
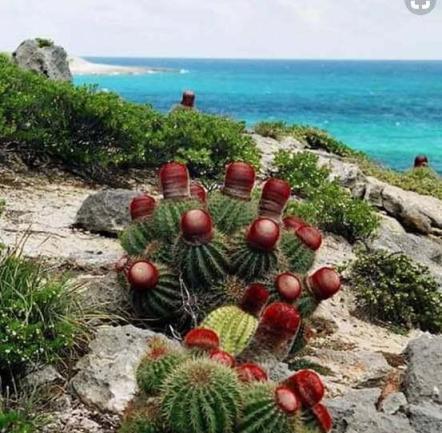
x=274, y=130
x=90, y=130
x=42, y=42
x=390, y=287
x=39, y=319
x=326, y=203
x=16, y=422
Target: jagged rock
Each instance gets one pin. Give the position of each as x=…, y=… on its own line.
x=426, y=418
x=106, y=211
x=423, y=379
x=106, y=377
x=50, y=61
x=43, y=376
x=391, y=236
x=394, y=403
x=356, y=412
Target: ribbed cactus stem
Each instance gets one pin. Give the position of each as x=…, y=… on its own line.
x=239, y=180
x=174, y=179
x=274, y=197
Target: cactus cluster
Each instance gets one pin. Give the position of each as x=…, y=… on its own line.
x=203, y=389
x=238, y=271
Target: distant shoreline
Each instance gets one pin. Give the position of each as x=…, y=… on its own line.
x=79, y=66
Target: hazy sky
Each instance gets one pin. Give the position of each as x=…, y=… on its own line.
x=226, y=28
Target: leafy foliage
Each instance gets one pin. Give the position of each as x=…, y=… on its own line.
x=326, y=203
x=91, y=130
x=39, y=317
x=15, y=422
x=390, y=287
x=42, y=42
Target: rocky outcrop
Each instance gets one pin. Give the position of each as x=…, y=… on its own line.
x=43, y=57
x=106, y=377
x=106, y=211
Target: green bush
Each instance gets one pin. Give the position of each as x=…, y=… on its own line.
x=42, y=42
x=326, y=204
x=90, y=130
x=16, y=422
x=391, y=288
x=40, y=318
x=276, y=130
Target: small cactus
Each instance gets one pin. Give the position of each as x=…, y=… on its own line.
x=268, y=409
x=202, y=396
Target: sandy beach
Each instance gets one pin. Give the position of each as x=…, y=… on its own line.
x=79, y=66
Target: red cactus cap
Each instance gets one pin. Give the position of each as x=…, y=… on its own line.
x=251, y=373
x=274, y=197
x=289, y=286
x=308, y=386
x=197, y=226
x=202, y=338
x=287, y=400
x=143, y=275
x=198, y=191
x=294, y=223
x=323, y=417
x=174, y=179
x=239, y=180
x=142, y=206
x=122, y=264
x=222, y=357
x=324, y=283
x=254, y=299
x=280, y=320
x=263, y=234
x=310, y=237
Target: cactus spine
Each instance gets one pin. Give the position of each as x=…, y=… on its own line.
x=202, y=396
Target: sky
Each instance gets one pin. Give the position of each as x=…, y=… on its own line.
x=313, y=29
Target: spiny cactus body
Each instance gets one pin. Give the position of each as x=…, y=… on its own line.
x=202, y=396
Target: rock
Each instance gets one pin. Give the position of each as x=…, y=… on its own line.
x=394, y=403
x=356, y=412
x=334, y=251
x=426, y=418
x=43, y=376
x=426, y=250
x=50, y=61
x=106, y=211
x=423, y=378
x=106, y=377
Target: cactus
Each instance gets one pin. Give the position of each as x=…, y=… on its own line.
x=144, y=417
x=274, y=197
x=232, y=207
x=308, y=387
x=158, y=363
x=250, y=372
x=268, y=409
x=202, y=396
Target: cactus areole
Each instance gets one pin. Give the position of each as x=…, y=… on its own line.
x=286, y=400
x=239, y=180
x=263, y=234
x=142, y=206
x=198, y=191
x=197, y=226
x=308, y=386
x=310, y=237
x=250, y=372
x=274, y=197
x=202, y=338
x=324, y=283
x=174, y=179
x=143, y=275
x=289, y=286
x=254, y=299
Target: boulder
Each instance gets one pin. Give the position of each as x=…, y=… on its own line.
x=106, y=375
x=426, y=418
x=106, y=212
x=423, y=378
x=45, y=58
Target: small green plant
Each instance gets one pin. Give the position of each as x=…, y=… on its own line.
x=40, y=317
x=42, y=42
x=16, y=422
x=274, y=130
x=391, y=288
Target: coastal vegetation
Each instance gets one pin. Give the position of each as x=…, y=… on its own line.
x=393, y=289
x=423, y=180
x=92, y=131
x=324, y=202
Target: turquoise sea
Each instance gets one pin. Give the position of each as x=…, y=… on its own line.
x=390, y=109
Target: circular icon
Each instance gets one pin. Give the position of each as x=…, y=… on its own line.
x=420, y=7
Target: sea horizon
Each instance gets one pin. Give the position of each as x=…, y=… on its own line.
x=390, y=109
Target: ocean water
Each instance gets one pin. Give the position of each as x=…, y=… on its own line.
x=392, y=110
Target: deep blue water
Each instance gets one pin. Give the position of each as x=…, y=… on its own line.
x=390, y=109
